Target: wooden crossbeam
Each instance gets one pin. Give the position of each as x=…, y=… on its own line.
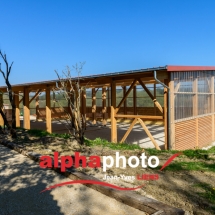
x=38, y=91
x=126, y=95
x=139, y=116
x=36, y=94
x=20, y=100
x=177, y=87
x=128, y=131
x=149, y=134
x=150, y=95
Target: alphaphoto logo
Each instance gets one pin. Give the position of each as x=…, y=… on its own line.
x=108, y=162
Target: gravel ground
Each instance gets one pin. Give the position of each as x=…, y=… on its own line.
x=21, y=181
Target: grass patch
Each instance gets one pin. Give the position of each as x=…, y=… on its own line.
x=42, y=133
x=158, y=152
x=190, y=166
x=197, y=153
x=114, y=146
x=208, y=192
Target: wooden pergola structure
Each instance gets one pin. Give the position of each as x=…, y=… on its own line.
x=171, y=77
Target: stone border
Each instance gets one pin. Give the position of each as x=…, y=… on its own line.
x=145, y=204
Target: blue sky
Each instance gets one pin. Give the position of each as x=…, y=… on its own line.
x=43, y=35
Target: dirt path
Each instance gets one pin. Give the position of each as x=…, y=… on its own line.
x=21, y=181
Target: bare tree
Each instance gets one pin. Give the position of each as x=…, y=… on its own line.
x=6, y=75
x=71, y=90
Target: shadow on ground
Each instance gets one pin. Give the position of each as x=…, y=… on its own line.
x=22, y=180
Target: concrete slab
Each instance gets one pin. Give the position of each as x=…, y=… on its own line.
x=137, y=135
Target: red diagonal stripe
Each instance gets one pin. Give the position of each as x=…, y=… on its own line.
x=170, y=160
x=90, y=182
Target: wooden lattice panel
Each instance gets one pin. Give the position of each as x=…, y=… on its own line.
x=204, y=131
x=185, y=135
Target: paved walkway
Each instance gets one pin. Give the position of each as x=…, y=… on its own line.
x=21, y=181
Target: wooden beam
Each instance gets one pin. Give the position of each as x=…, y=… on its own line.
x=108, y=97
x=26, y=114
x=165, y=111
x=128, y=131
x=150, y=95
x=16, y=100
x=125, y=102
x=37, y=93
x=42, y=87
x=104, y=108
x=20, y=99
x=93, y=106
x=3, y=90
x=139, y=116
x=48, y=111
x=172, y=112
x=155, y=107
x=177, y=87
x=149, y=134
x=135, y=100
x=126, y=95
x=37, y=107
x=212, y=105
x=113, y=107
x=145, y=76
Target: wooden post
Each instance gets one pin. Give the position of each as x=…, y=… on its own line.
x=165, y=110
x=195, y=107
x=108, y=96
x=53, y=98
x=1, y=121
x=113, y=107
x=212, y=105
x=104, y=108
x=16, y=100
x=37, y=107
x=26, y=114
x=172, y=111
x=125, y=102
x=108, y=101
x=155, y=108
x=48, y=111
x=135, y=100
x=93, y=106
